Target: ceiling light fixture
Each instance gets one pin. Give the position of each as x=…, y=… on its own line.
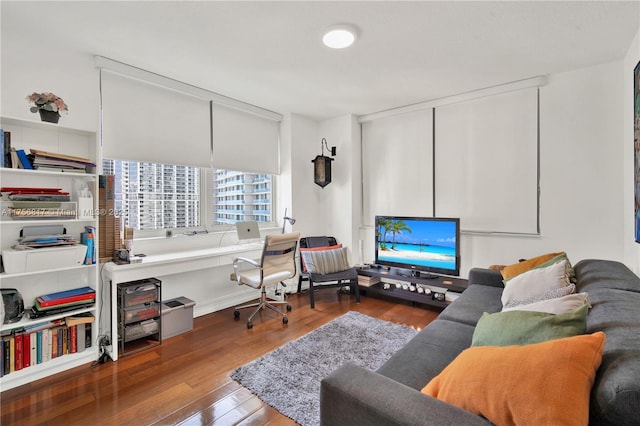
x=339, y=36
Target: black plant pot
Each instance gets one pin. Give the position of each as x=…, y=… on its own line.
x=49, y=116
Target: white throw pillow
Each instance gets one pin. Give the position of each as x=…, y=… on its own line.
x=535, y=282
x=559, y=305
x=326, y=261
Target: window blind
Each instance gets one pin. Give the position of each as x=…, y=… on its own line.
x=486, y=162
x=150, y=123
x=244, y=141
x=397, y=165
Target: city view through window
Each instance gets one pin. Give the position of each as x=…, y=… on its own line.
x=154, y=196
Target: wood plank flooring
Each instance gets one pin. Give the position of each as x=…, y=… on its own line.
x=185, y=381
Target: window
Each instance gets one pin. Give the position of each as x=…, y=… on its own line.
x=241, y=197
x=152, y=196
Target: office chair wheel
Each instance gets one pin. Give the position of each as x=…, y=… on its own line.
x=289, y=308
x=285, y=320
x=236, y=314
x=249, y=325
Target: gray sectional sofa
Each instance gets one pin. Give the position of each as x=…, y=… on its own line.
x=391, y=395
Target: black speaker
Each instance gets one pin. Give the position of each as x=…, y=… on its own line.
x=12, y=305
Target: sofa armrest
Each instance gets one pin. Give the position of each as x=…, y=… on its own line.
x=490, y=277
x=352, y=395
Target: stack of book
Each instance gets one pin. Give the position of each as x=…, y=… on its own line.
x=42, y=194
x=63, y=301
x=366, y=281
x=51, y=161
x=42, y=342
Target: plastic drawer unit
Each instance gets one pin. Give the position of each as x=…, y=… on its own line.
x=139, y=315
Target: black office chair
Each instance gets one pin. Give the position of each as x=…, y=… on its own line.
x=312, y=243
x=330, y=268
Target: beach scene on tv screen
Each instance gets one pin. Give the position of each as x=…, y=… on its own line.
x=425, y=243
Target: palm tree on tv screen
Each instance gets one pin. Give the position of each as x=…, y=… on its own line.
x=386, y=224
x=397, y=227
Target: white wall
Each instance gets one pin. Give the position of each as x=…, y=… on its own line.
x=582, y=148
x=631, y=248
x=37, y=63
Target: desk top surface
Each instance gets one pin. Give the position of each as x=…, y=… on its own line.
x=182, y=255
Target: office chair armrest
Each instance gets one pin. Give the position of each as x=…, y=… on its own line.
x=236, y=263
x=252, y=262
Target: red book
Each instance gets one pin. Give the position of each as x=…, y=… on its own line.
x=26, y=351
x=73, y=339
x=65, y=300
x=19, y=346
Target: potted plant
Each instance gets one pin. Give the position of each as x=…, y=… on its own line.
x=48, y=105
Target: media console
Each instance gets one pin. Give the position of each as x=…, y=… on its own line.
x=436, y=290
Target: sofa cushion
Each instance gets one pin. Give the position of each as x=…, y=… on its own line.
x=525, y=327
x=556, y=305
x=511, y=271
x=615, y=398
x=560, y=372
x=594, y=274
x=536, y=284
x=469, y=307
x=424, y=356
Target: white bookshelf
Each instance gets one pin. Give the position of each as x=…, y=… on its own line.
x=49, y=137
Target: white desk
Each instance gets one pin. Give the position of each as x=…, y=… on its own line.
x=168, y=264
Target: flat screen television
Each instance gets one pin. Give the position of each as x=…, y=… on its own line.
x=419, y=244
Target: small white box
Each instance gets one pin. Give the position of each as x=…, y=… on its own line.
x=18, y=261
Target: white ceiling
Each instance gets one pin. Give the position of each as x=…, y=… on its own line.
x=269, y=53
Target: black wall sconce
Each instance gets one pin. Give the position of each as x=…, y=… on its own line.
x=322, y=165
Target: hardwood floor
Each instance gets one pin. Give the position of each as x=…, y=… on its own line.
x=185, y=381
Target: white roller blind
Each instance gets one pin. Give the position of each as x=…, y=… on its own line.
x=149, y=123
x=397, y=166
x=486, y=162
x=244, y=141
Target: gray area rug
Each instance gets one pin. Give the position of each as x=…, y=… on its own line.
x=288, y=378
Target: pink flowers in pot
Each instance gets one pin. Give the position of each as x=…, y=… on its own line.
x=47, y=101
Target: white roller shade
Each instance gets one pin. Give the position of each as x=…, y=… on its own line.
x=244, y=141
x=150, y=123
x=397, y=166
x=486, y=162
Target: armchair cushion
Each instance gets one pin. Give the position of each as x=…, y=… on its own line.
x=326, y=261
x=304, y=265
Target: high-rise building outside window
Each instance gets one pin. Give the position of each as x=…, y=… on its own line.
x=151, y=196
x=240, y=197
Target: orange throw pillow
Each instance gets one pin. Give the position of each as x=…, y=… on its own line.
x=520, y=267
x=546, y=383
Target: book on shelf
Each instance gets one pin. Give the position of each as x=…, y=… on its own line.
x=66, y=296
x=15, y=161
x=72, y=305
x=83, y=318
x=80, y=299
x=35, y=313
x=18, y=346
x=24, y=160
x=26, y=350
x=62, y=157
x=7, y=158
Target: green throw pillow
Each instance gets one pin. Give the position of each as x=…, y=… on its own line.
x=526, y=327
